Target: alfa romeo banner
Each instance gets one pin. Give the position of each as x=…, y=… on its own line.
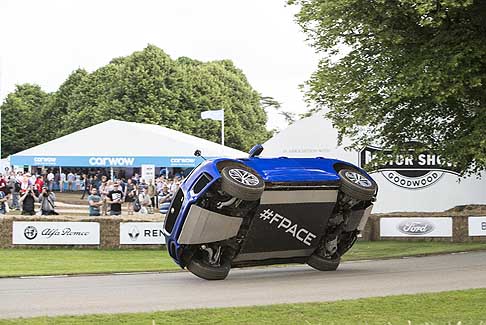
x=55, y=233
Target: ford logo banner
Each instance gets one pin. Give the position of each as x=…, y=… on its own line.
x=414, y=227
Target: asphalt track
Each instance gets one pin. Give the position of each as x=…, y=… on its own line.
x=27, y=297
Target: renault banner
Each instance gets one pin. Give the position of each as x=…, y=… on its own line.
x=141, y=233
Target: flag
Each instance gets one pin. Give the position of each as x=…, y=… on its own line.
x=213, y=115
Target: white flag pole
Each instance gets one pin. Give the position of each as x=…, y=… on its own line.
x=217, y=115
x=222, y=130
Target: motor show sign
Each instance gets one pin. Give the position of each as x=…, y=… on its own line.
x=477, y=226
x=407, y=171
x=55, y=233
x=141, y=233
x=416, y=227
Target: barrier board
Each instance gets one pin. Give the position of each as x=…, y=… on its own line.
x=141, y=233
x=416, y=227
x=55, y=233
x=477, y=226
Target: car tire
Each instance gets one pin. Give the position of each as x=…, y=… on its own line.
x=209, y=272
x=356, y=185
x=323, y=264
x=242, y=183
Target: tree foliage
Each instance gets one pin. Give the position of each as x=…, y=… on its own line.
x=21, y=118
x=149, y=87
x=399, y=71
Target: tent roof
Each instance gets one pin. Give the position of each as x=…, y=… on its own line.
x=309, y=137
x=120, y=138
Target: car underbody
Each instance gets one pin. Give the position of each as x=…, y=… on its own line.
x=295, y=222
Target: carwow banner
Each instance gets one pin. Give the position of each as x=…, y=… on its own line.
x=105, y=161
x=416, y=227
x=141, y=233
x=477, y=226
x=55, y=233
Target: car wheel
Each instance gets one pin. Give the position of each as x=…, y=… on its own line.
x=209, y=272
x=357, y=185
x=322, y=263
x=242, y=182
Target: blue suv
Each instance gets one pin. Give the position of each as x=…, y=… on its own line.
x=261, y=211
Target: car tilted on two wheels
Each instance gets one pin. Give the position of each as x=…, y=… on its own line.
x=262, y=211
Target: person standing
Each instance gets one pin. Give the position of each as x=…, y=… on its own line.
x=152, y=193
x=94, y=202
x=142, y=184
x=15, y=190
x=3, y=184
x=57, y=178
x=115, y=199
x=174, y=186
x=25, y=184
x=165, y=198
x=33, y=178
x=144, y=200
x=50, y=180
x=47, y=202
x=62, y=181
x=28, y=200
x=87, y=185
x=39, y=184
x=135, y=179
x=3, y=203
x=104, y=190
x=159, y=184
x=130, y=194
x=95, y=182
x=77, y=181
x=71, y=178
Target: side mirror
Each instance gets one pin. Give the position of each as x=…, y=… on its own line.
x=255, y=151
x=197, y=153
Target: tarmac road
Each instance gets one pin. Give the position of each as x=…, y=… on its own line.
x=27, y=297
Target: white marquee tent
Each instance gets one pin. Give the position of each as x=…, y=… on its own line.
x=315, y=136
x=122, y=144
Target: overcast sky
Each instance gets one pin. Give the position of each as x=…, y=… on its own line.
x=42, y=42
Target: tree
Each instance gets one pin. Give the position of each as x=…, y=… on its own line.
x=69, y=97
x=149, y=87
x=146, y=87
x=22, y=118
x=397, y=72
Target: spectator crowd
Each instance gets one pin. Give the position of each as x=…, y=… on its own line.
x=105, y=196
x=20, y=191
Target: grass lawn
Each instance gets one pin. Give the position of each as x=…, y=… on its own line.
x=388, y=249
x=453, y=307
x=40, y=261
